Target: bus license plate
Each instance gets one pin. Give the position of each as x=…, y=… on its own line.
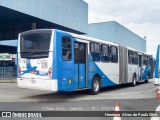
x=44, y=64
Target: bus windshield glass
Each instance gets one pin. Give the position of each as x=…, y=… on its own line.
x=34, y=45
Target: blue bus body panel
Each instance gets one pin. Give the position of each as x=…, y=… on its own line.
x=55, y=60
x=157, y=63
x=76, y=76
x=82, y=76
x=64, y=69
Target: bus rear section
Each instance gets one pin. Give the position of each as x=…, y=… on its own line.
x=35, y=60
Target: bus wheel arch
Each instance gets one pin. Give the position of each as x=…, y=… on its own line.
x=100, y=79
x=96, y=84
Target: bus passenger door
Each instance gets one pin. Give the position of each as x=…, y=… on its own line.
x=140, y=67
x=80, y=58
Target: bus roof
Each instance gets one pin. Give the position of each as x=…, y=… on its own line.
x=139, y=52
x=93, y=39
x=83, y=37
x=29, y=31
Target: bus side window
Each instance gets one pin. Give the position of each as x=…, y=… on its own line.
x=66, y=48
x=148, y=60
x=95, y=51
x=105, y=56
x=130, y=57
x=144, y=60
x=135, y=58
x=114, y=54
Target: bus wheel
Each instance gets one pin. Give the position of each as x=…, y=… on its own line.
x=134, y=81
x=95, y=86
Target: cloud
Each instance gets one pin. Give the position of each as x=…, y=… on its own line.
x=151, y=31
x=137, y=11
x=140, y=16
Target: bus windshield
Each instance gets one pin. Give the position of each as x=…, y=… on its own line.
x=35, y=44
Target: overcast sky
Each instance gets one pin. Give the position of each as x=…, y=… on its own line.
x=140, y=16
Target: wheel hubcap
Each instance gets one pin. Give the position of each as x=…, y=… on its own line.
x=96, y=85
x=134, y=81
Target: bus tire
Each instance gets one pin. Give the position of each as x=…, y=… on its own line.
x=134, y=82
x=95, y=85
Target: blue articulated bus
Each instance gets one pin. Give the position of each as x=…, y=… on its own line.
x=55, y=60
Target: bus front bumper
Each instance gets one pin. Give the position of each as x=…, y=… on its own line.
x=38, y=84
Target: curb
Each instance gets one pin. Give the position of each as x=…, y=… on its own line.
x=8, y=81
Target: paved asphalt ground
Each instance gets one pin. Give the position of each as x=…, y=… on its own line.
x=139, y=98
